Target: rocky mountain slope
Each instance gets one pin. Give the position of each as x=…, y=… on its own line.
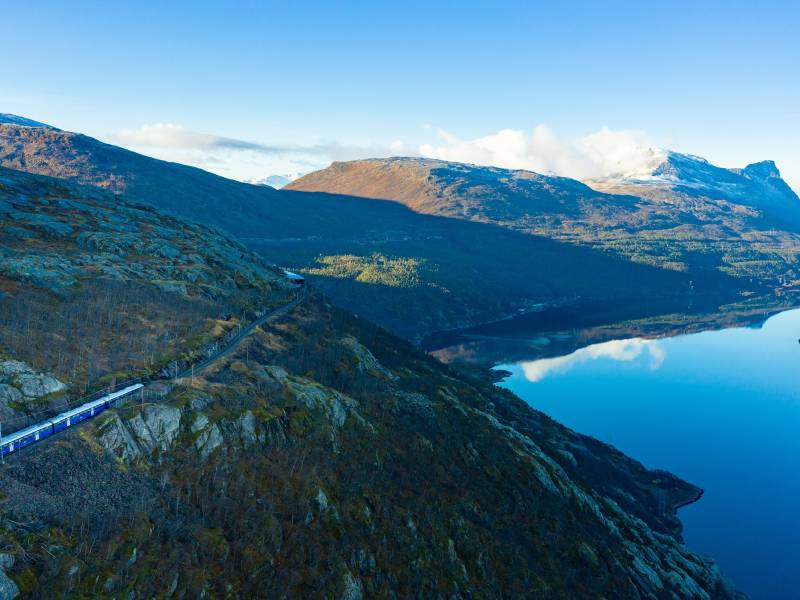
x=739, y=221
x=758, y=185
x=324, y=458
x=193, y=193
x=415, y=273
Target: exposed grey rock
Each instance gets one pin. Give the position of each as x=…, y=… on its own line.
x=43, y=222
x=8, y=394
x=8, y=589
x=415, y=404
x=209, y=438
x=45, y=271
x=351, y=587
x=247, y=428
x=321, y=500
x=163, y=248
x=18, y=382
x=276, y=372
x=12, y=367
x=199, y=400
x=366, y=361
x=199, y=423
x=115, y=437
x=36, y=385
x=175, y=287
x=156, y=426
x=116, y=243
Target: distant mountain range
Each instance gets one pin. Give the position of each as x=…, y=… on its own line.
x=524, y=199
x=421, y=245
x=758, y=185
x=276, y=181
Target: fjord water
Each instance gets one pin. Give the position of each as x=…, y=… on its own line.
x=720, y=409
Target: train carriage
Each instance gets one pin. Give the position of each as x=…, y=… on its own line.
x=29, y=435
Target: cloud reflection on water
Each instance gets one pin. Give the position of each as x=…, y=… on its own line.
x=619, y=350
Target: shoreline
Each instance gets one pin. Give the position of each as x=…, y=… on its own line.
x=685, y=503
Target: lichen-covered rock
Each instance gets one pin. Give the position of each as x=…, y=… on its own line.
x=278, y=373
x=19, y=383
x=156, y=426
x=9, y=394
x=351, y=587
x=12, y=367
x=37, y=385
x=365, y=360
x=8, y=589
x=45, y=271
x=209, y=440
x=114, y=436
x=247, y=428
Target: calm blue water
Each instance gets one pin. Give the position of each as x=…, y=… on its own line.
x=720, y=409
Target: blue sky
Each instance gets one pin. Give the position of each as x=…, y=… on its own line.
x=309, y=82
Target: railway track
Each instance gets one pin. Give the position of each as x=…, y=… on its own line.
x=31, y=435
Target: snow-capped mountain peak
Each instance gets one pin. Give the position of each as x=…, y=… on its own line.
x=276, y=181
x=758, y=184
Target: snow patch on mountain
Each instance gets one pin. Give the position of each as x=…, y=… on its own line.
x=758, y=185
x=276, y=181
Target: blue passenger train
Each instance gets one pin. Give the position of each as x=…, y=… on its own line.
x=34, y=433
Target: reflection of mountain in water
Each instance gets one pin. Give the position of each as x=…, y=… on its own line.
x=618, y=350
x=569, y=334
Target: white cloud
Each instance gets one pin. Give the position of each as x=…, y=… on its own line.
x=171, y=135
x=603, y=153
x=618, y=350
x=241, y=159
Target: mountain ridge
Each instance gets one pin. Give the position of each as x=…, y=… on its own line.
x=395, y=239
x=758, y=184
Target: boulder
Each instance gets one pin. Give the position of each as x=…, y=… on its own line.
x=8, y=589
x=36, y=385
x=116, y=438
x=156, y=426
